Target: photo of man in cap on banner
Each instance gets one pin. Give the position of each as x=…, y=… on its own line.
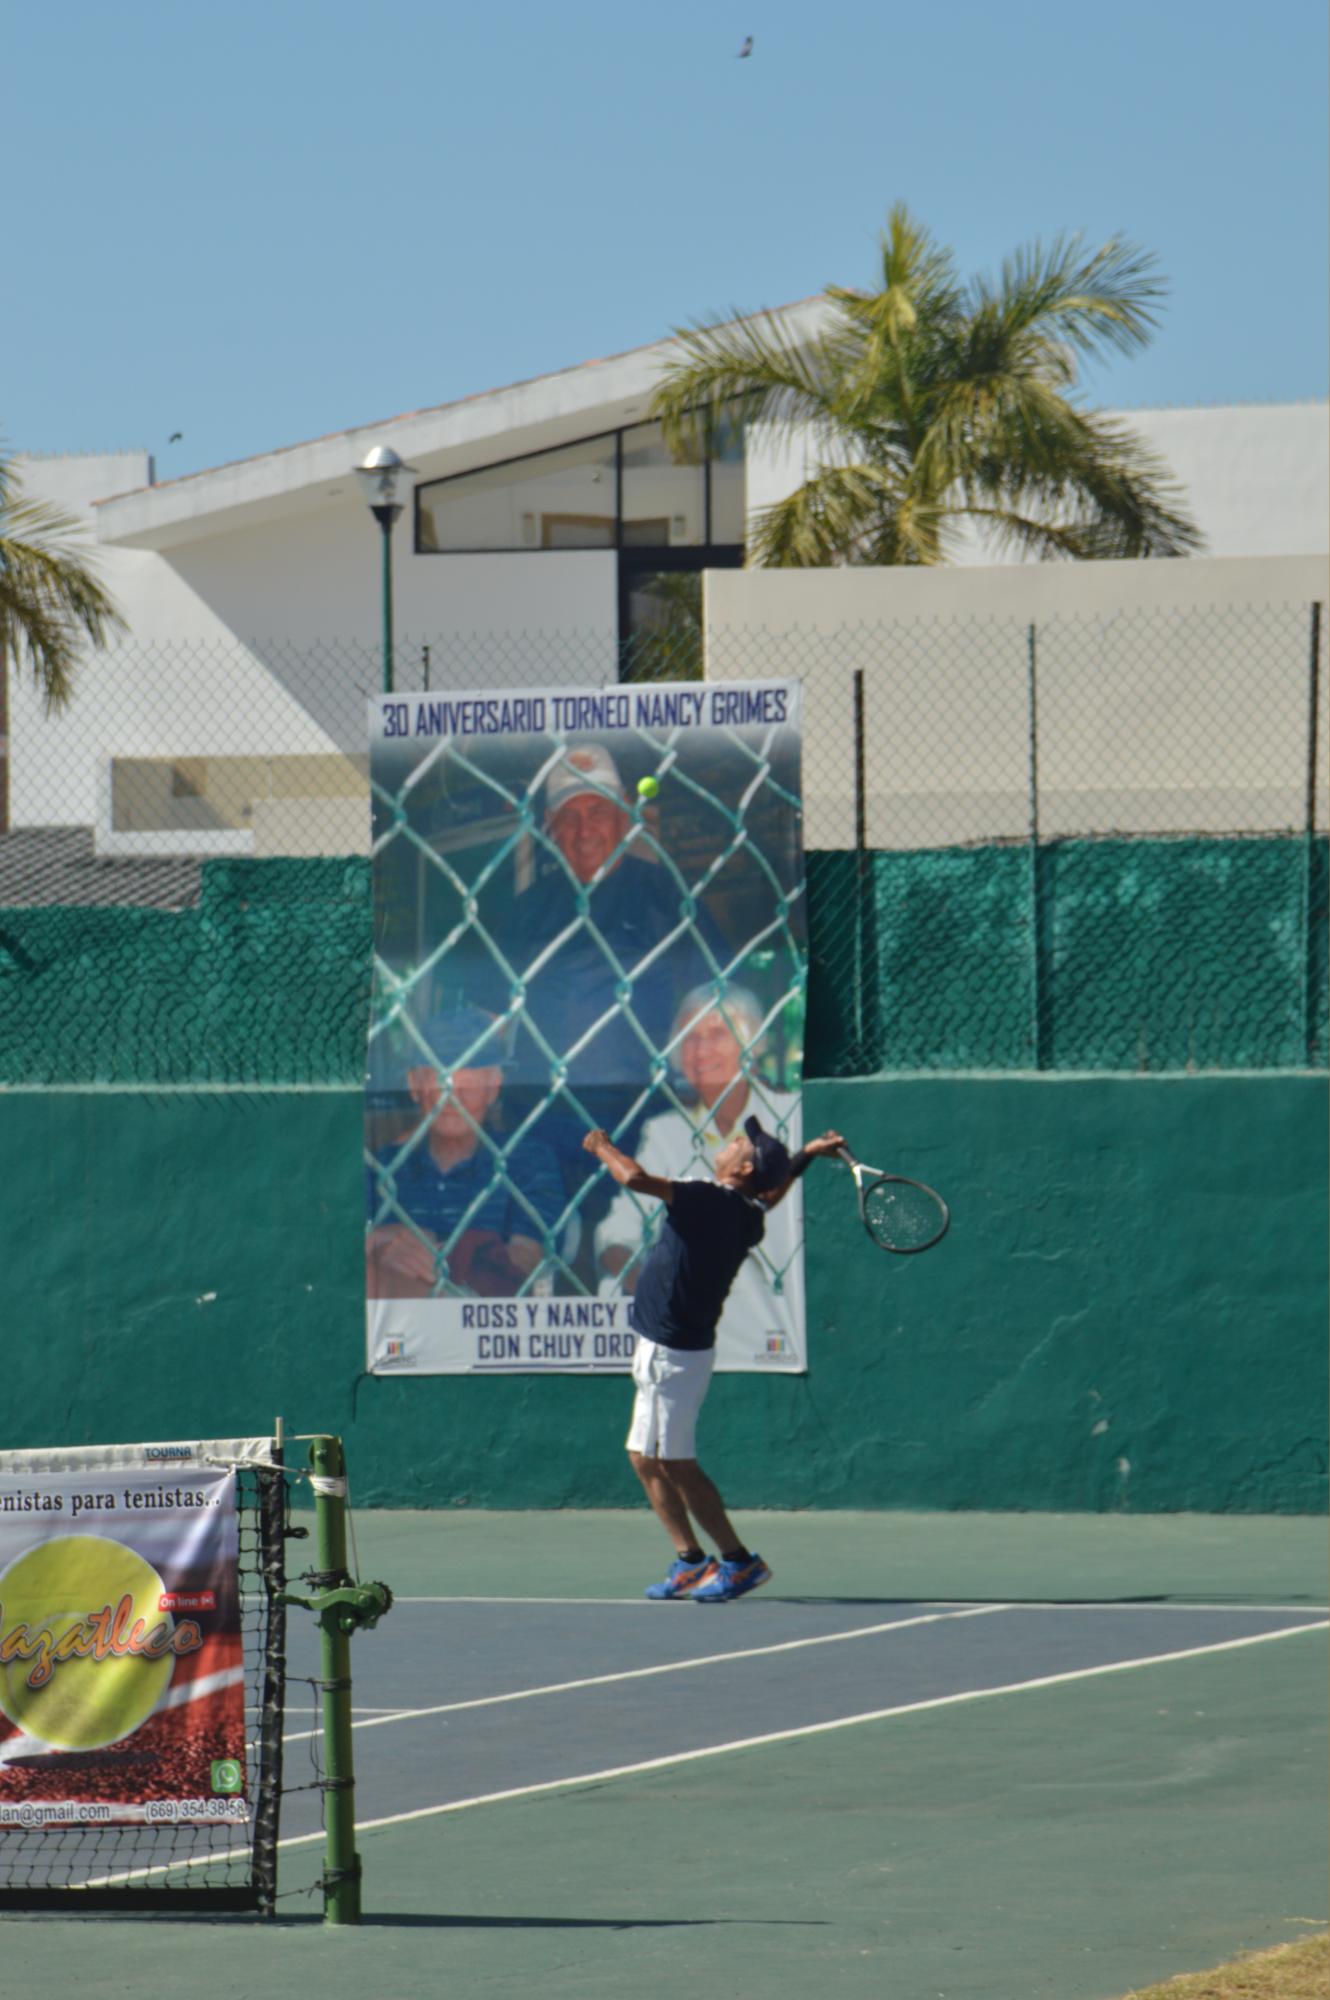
x=601, y=992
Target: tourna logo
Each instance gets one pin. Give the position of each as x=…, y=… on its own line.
x=169, y=1451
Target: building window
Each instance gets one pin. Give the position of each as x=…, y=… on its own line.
x=562, y=499
x=664, y=498
x=668, y=516
x=625, y=490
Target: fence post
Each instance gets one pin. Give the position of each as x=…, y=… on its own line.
x=865, y=1013
x=1036, y=899
x=1310, y=856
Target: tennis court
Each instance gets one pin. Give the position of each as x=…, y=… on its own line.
x=937, y=1755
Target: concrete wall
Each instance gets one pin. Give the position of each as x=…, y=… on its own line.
x=1172, y=697
x=1129, y=1312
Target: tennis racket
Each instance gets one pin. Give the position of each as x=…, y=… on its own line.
x=900, y=1215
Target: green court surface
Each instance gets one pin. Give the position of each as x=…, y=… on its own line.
x=1106, y=1764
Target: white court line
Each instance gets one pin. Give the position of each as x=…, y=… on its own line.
x=725, y=1749
x=664, y=1667
x=1019, y=1605
x=1015, y=1604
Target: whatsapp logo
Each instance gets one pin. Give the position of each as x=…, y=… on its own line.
x=227, y=1774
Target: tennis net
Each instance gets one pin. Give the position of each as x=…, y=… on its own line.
x=142, y=1675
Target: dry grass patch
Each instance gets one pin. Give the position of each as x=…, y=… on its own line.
x=1289, y=1972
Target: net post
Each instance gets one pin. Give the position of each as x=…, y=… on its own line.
x=271, y=1485
x=341, y=1880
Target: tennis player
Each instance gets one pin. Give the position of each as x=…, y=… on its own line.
x=709, y=1229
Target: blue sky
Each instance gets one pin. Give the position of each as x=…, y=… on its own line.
x=259, y=223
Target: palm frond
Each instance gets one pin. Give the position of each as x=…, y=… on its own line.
x=754, y=368
x=832, y=518
x=1095, y=303
x=921, y=401
x=50, y=594
x=1106, y=496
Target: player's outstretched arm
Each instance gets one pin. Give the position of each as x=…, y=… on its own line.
x=627, y=1172
x=816, y=1149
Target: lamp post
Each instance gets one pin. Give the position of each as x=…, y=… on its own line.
x=378, y=477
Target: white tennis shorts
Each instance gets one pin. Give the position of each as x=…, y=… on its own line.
x=672, y=1383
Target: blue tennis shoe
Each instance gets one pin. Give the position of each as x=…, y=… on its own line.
x=682, y=1578
x=731, y=1579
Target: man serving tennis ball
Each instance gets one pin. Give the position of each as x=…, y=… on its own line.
x=710, y=1227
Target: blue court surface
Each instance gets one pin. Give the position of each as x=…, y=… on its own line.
x=476, y=1700
x=1105, y=1768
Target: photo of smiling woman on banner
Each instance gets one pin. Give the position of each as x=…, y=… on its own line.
x=588, y=915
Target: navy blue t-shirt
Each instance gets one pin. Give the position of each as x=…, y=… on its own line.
x=707, y=1233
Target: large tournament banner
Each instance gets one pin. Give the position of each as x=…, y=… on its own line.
x=589, y=913
x=121, y=1671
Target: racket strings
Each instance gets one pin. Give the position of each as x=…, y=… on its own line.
x=904, y=1215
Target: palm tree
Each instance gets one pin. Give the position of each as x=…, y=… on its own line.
x=930, y=402
x=49, y=592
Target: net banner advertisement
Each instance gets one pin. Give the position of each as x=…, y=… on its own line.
x=588, y=914
x=121, y=1672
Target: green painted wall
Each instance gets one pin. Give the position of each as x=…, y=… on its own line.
x=1130, y=1310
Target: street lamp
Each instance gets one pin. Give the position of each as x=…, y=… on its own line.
x=378, y=477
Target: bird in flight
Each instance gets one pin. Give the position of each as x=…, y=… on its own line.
x=175, y=437
x=747, y=48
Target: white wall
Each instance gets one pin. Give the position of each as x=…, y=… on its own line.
x=265, y=641
x=1171, y=697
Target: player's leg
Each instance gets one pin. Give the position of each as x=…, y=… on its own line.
x=670, y=1387
x=666, y=1501
x=698, y=1495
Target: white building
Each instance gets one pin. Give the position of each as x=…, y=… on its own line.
x=544, y=524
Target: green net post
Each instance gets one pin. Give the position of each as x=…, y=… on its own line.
x=341, y=1880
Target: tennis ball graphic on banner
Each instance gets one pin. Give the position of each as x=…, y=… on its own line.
x=86, y=1652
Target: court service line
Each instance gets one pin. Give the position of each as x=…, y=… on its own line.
x=679, y=1757
x=662, y=1667
x=1234, y=1604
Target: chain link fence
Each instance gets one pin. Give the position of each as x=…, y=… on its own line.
x=1095, y=844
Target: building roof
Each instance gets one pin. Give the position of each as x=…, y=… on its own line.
x=57, y=864
x=535, y=415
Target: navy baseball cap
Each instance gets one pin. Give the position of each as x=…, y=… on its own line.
x=771, y=1160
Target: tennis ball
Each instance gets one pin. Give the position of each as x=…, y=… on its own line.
x=647, y=788
x=60, y=1590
